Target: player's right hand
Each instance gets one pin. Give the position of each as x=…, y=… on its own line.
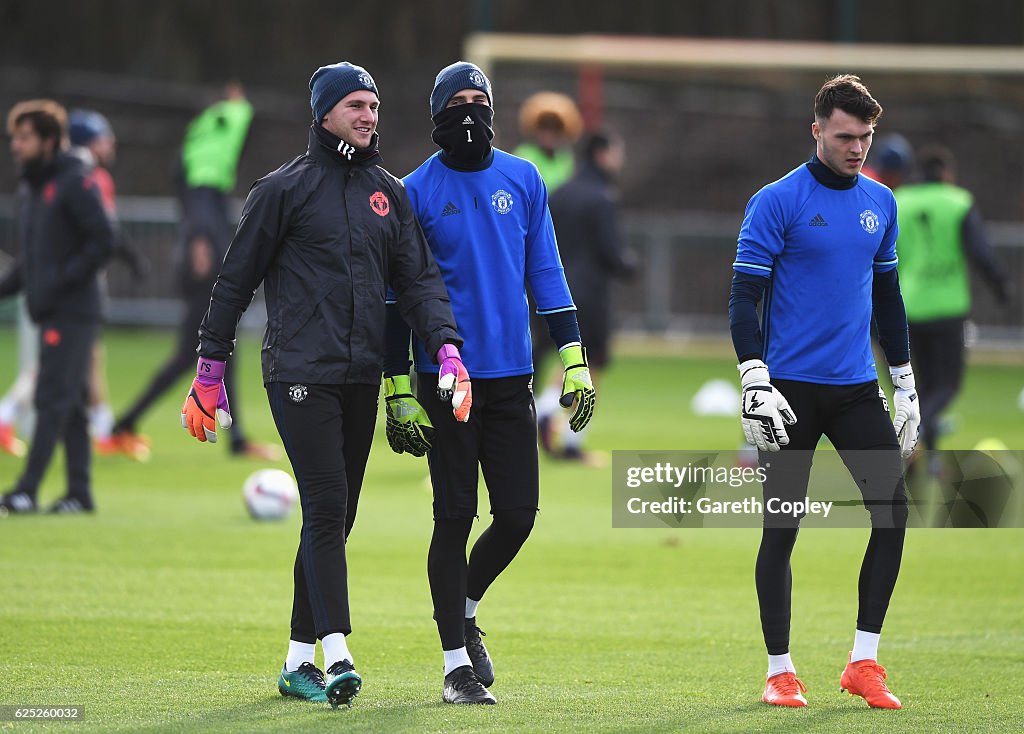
x=408, y=428
x=765, y=412
x=206, y=404
x=453, y=382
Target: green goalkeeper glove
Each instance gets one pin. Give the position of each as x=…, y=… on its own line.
x=408, y=429
x=577, y=387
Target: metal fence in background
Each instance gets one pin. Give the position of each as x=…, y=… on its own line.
x=682, y=285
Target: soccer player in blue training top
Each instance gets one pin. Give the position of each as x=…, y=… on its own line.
x=818, y=246
x=485, y=215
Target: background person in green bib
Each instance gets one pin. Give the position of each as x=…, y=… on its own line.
x=210, y=153
x=941, y=231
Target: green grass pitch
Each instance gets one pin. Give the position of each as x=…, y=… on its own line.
x=168, y=610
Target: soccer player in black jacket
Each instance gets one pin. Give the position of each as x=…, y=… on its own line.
x=326, y=234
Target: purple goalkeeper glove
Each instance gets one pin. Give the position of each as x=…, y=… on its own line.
x=453, y=382
x=207, y=401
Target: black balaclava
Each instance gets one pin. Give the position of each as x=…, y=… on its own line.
x=464, y=132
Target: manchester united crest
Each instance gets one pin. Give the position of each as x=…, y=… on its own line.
x=502, y=202
x=298, y=393
x=869, y=221
x=380, y=204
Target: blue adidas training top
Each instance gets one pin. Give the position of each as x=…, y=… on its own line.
x=491, y=234
x=819, y=247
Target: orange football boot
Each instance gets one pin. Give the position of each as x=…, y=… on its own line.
x=107, y=446
x=9, y=442
x=259, y=451
x=866, y=678
x=785, y=689
x=132, y=445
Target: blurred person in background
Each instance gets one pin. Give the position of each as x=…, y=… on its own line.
x=941, y=233
x=326, y=234
x=66, y=238
x=892, y=160
x=16, y=412
x=92, y=141
x=818, y=247
x=485, y=216
x=209, y=161
x=585, y=214
x=550, y=124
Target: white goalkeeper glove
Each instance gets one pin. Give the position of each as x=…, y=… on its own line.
x=765, y=412
x=907, y=417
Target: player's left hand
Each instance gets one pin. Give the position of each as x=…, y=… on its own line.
x=907, y=417
x=207, y=402
x=577, y=386
x=453, y=382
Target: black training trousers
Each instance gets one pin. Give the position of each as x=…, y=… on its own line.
x=856, y=419
x=61, y=403
x=327, y=431
x=499, y=439
x=938, y=349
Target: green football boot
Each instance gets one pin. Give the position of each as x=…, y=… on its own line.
x=343, y=684
x=306, y=683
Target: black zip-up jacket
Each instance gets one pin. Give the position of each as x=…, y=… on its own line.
x=585, y=214
x=326, y=236
x=66, y=238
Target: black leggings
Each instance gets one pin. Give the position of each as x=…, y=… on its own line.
x=327, y=431
x=452, y=579
x=856, y=420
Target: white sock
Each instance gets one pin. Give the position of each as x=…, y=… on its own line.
x=547, y=403
x=780, y=664
x=335, y=649
x=471, y=607
x=865, y=646
x=101, y=420
x=572, y=439
x=456, y=659
x=299, y=653
x=8, y=410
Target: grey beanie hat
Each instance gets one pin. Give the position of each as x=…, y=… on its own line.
x=892, y=152
x=84, y=126
x=451, y=79
x=331, y=84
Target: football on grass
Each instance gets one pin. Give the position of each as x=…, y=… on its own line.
x=270, y=494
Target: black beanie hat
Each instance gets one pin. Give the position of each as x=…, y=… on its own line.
x=331, y=84
x=451, y=79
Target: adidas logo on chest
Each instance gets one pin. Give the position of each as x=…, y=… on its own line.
x=450, y=209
